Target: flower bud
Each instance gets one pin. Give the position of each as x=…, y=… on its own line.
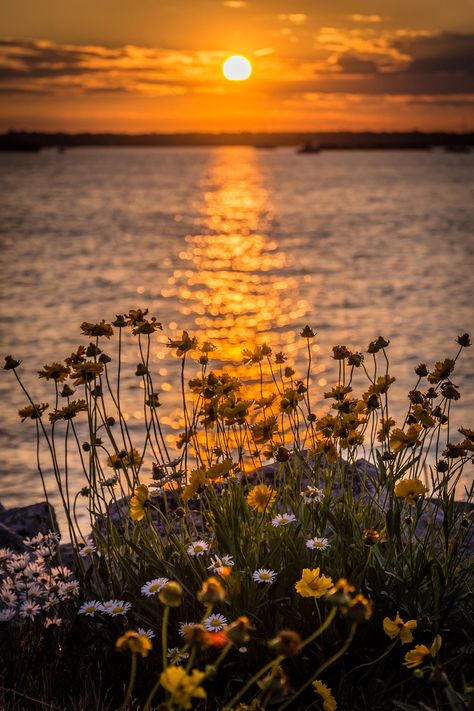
x=171, y=594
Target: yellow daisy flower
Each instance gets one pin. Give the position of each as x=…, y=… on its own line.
x=138, y=502
x=410, y=490
x=398, y=628
x=261, y=498
x=312, y=584
x=183, y=686
x=329, y=702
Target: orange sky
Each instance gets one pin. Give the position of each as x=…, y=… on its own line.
x=153, y=65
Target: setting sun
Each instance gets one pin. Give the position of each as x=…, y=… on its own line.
x=237, y=68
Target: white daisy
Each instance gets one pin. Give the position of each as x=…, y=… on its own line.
x=33, y=591
x=154, y=586
x=34, y=570
x=147, y=633
x=198, y=548
x=69, y=588
x=175, y=655
x=215, y=623
x=263, y=575
x=5, y=554
x=312, y=494
x=53, y=622
x=7, y=614
x=90, y=608
x=226, y=561
x=8, y=597
x=317, y=544
x=29, y=609
x=87, y=550
x=283, y=519
x=116, y=607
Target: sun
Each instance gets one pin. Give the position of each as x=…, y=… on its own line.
x=237, y=68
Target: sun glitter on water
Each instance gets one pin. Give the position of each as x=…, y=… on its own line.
x=237, y=68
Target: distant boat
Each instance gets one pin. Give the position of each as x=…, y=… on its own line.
x=458, y=148
x=308, y=147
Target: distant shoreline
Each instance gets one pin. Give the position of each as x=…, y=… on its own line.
x=415, y=140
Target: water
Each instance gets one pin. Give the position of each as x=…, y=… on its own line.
x=240, y=245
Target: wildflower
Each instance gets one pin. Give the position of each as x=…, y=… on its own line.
x=215, y=622
x=287, y=642
x=7, y=614
x=360, y=609
x=175, y=655
x=355, y=359
x=197, y=548
x=146, y=326
x=280, y=358
x=69, y=411
x=312, y=494
x=125, y=459
x=307, y=332
x=398, y=628
x=275, y=683
x=90, y=608
x=217, y=562
x=148, y=633
x=400, y=440
x=56, y=371
x=234, y=412
x=183, y=345
x=264, y=430
x=29, y=609
x=290, y=400
x=171, y=594
x=87, y=550
x=329, y=702
x=453, y=451
x=416, y=656
x=410, y=490
x=376, y=346
x=317, y=544
x=11, y=363
x=141, y=369
x=340, y=352
x=152, y=587
x=464, y=340
x=211, y=592
x=450, y=391
x=182, y=686
x=370, y=537
x=283, y=519
x=261, y=498
x=238, y=631
x=86, y=372
x=263, y=575
x=139, y=502
x=32, y=412
x=97, y=329
x=133, y=642
x=114, y=608
x=442, y=370
x=312, y=584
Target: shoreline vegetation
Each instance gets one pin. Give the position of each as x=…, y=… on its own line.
x=344, y=140
x=213, y=581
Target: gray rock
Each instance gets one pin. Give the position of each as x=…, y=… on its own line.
x=27, y=521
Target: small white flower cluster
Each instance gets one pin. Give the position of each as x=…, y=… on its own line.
x=113, y=608
x=312, y=495
x=31, y=585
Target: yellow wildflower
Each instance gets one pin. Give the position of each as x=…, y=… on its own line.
x=329, y=702
x=264, y=430
x=401, y=440
x=133, y=642
x=33, y=412
x=197, y=479
x=312, y=584
x=183, y=686
x=138, y=502
x=55, y=371
x=97, y=329
x=410, y=490
x=398, y=628
x=416, y=656
x=185, y=344
x=442, y=370
x=261, y=498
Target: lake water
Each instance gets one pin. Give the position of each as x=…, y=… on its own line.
x=240, y=246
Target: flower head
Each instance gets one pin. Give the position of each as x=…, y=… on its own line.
x=197, y=548
x=398, y=628
x=283, y=519
x=215, y=622
x=410, y=490
x=263, y=575
x=183, y=686
x=90, y=608
x=114, y=608
x=329, y=702
x=138, y=502
x=134, y=642
x=153, y=587
x=317, y=544
x=261, y=498
x=312, y=584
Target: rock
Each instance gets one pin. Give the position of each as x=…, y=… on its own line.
x=10, y=539
x=27, y=521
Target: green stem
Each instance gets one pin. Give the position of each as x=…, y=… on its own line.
x=131, y=681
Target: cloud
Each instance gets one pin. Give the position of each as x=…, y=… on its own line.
x=236, y=4
x=296, y=18
x=365, y=18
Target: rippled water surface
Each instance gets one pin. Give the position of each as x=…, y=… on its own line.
x=239, y=246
